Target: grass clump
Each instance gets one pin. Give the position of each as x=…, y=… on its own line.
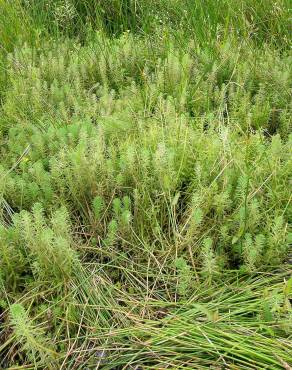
x=144, y=184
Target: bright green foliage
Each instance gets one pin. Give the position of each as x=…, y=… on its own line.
x=31, y=337
x=184, y=276
x=32, y=246
x=145, y=153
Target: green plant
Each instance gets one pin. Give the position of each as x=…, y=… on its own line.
x=31, y=337
x=144, y=184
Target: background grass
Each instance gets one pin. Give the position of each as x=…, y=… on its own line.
x=145, y=172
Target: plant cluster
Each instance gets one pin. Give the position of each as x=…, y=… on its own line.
x=144, y=184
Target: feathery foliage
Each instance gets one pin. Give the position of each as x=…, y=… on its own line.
x=145, y=170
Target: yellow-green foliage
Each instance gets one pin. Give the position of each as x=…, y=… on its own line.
x=145, y=153
x=215, y=141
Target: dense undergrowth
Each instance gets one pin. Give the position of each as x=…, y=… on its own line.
x=145, y=173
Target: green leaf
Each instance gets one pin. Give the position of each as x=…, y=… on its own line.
x=267, y=313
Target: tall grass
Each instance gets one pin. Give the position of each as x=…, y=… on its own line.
x=144, y=184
